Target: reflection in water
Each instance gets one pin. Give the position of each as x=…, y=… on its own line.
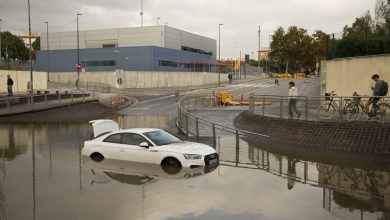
x=291, y=172
x=355, y=189
x=135, y=173
x=41, y=167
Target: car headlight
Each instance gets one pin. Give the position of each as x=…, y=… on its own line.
x=192, y=156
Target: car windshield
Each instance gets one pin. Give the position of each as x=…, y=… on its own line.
x=161, y=137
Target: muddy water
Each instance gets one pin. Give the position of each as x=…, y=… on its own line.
x=43, y=176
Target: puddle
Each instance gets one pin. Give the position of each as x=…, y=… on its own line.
x=43, y=176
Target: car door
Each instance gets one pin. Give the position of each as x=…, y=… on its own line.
x=111, y=146
x=132, y=151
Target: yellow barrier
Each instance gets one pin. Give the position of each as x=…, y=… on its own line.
x=226, y=98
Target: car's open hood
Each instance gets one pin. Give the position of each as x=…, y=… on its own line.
x=103, y=126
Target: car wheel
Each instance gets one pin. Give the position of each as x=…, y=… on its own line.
x=171, y=165
x=97, y=157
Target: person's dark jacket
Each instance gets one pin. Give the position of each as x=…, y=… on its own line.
x=10, y=82
x=377, y=88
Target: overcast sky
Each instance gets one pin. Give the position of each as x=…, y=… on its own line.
x=240, y=18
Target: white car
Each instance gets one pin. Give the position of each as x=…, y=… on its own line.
x=146, y=145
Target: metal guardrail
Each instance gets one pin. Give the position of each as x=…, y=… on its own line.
x=230, y=141
x=19, y=104
x=323, y=108
x=90, y=86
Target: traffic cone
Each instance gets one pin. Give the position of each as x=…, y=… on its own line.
x=113, y=105
x=242, y=98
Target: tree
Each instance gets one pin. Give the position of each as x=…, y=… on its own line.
x=295, y=49
x=13, y=47
x=320, y=40
x=37, y=44
x=364, y=37
x=362, y=26
x=383, y=19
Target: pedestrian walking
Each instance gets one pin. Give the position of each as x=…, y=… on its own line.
x=292, y=105
x=10, y=83
x=230, y=77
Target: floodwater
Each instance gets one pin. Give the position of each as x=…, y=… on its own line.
x=43, y=176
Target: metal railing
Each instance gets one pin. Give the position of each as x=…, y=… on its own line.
x=229, y=141
x=239, y=148
x=90, y=86
x=322, y=108
x=26, y=103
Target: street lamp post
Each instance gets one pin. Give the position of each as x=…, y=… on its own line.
x=78, y=55
x=31, y=66
x=258, y=58
x=219, y=54
x=116, y=58
x=47, y=50
x=0, y=41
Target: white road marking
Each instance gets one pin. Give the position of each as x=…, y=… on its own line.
x=139, y=109
x=242, y=86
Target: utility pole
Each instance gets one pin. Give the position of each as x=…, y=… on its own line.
x=258, y=58
x=219, y=54
x=78, y=55
x=31, y=65
x=47, y=50
x=0, y=41
x=142, y=13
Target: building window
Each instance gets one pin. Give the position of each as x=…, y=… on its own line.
x=167, y=63
x=98, y=63
x=194, y=50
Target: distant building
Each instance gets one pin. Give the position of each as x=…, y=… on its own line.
x=154, y=48
x=26, y=38
x=264, y=53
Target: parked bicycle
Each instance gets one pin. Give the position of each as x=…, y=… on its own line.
x=353, y=108
x=330, y=109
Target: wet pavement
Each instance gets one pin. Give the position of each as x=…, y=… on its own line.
x=43, y=176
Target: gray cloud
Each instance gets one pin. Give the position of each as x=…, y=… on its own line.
x=240, y=18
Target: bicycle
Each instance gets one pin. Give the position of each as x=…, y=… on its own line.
x=354, y=108
x=331, y=108
x=378, y=111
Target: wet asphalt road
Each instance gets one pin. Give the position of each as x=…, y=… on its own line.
x=43, y=176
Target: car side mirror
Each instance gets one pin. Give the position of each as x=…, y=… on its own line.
x=144, y=144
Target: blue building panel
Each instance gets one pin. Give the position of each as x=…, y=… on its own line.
x=128, y=58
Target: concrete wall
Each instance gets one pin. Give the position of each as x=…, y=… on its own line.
x=142, y=79
x=21, y=80
x=348, y=75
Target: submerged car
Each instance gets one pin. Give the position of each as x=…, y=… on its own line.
x=146, y=145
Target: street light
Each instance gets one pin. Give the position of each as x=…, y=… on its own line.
x=158, y=21
x=258, y=58
x=219, y=54
x=78, y=55
x=47, y=49
x=0, y=40
x=31, y=66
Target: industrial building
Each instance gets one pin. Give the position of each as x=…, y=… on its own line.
x=153, y=48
